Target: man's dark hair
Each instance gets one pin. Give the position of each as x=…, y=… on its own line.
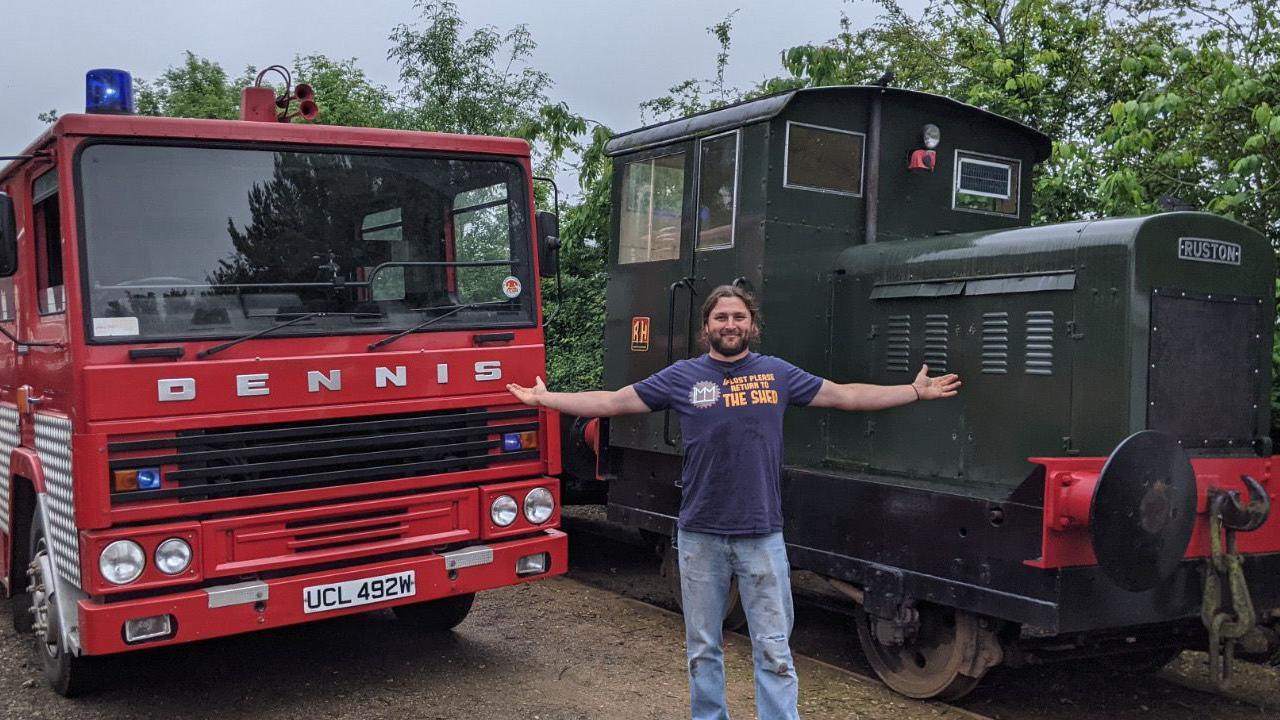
x=733, y=291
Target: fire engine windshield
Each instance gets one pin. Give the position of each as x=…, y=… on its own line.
x=204, y=242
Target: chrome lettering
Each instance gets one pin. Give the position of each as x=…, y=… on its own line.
x=255, y=384
x=488, y=370
x=174, y=389
x=398, y=377
x=316, y=379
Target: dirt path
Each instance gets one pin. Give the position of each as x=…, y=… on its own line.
x=555, y=650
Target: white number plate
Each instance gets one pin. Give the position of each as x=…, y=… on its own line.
x=321, y=598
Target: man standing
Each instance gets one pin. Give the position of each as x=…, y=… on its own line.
x=731, y=402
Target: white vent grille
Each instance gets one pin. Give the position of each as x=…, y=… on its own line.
x=936, y=330
x=9, y=439
x=995, y=343
x=53, y=445
x=899, y=350
x=1040, y=342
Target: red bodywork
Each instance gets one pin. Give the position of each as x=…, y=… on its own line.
x=108, y=396
x=1068, y=494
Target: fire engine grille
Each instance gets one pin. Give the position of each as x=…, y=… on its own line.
x=250, y=460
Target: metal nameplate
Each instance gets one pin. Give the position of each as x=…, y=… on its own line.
x=238, y=594
x=1210, y=251
x=468, y=557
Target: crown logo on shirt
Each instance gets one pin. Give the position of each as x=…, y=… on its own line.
x=704, y=394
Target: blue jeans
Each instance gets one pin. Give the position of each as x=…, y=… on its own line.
x=707, y=566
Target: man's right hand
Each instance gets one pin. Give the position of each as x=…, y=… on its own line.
x=529, y=396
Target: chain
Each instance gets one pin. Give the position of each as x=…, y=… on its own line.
x=1224, y=570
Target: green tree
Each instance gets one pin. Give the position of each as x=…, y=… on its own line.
x=478, y=83
x=199, y=88
x=345, y=94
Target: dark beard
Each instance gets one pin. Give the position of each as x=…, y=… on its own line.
x=728, y=346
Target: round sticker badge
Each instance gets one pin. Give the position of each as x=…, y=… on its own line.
x=511, y=286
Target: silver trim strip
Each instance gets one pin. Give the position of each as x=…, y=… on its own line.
x=468, y=557
x=238, y=594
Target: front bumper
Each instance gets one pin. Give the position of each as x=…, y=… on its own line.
x=202, y=614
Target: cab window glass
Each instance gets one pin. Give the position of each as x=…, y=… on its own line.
x=480, y=223
x=824, y=159
x=717, y=191
x=986, y=184
x=51, y=294
x=652, y=207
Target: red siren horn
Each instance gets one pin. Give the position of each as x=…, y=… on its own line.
x=304, y=92
x=308, y=109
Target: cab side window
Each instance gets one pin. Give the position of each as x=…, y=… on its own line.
x=47, y=221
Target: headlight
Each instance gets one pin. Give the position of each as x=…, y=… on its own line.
x=538, y=505
x=504, y=510
x=122, y=562
x=173, y=556
x=930, y=135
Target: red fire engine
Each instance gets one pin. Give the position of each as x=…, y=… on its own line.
x=253, y=374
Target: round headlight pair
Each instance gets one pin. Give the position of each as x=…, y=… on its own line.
x=538, y=507
x=123, y=561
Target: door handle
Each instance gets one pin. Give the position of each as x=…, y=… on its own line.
x=684, y=282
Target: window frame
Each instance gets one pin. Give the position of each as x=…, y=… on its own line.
x=1015, y=182
x=40, y=244
x=862, y=161
x=697, y=200
x=82, y=255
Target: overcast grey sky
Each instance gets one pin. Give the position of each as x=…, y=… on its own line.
x=605, y=57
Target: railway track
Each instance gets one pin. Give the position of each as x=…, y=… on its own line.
x=618, y=560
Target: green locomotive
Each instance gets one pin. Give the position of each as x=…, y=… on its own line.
x=1115, y=412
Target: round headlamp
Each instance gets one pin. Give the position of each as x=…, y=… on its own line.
x=121, y=562
x=173, y=556
x=930, y=135
x=538, y=505
x=504, y=510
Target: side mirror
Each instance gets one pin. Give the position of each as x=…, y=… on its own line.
x=548, y=243
x=8, y=237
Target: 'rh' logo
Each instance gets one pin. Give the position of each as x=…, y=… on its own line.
x=639, y=334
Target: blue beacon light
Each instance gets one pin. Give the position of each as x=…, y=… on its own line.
x=108, y=91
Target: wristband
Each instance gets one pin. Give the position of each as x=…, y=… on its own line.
x=914, y=390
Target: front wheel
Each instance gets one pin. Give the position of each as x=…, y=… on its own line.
x=436, y=615
x=69, y=675
x=943, y=659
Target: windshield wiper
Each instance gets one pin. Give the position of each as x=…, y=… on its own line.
x=453, y=310
x=304, y=316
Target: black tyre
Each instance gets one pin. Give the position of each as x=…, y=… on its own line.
x=436, y=615
x=68, y=675
x=20, y=608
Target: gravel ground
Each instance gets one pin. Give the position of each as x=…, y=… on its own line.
x=613, y=558
x=552, y=650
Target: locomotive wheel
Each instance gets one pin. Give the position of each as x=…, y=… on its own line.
x=436, y=615
x=943, y=660
x=68, y=675
x=735, y=616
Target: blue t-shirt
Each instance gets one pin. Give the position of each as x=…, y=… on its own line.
x=731, y=420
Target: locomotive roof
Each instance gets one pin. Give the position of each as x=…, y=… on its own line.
x=770, y=106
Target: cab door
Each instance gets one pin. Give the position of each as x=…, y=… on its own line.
x=651, y=284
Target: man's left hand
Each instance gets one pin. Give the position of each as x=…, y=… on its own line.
x=932, y=388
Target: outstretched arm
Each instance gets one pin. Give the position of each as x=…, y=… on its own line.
x=594, y=403
x=857, y=396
